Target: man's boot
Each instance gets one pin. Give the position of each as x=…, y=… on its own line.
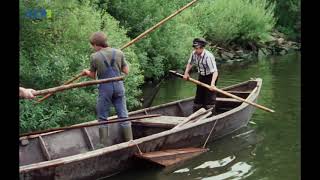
x=127, y=132
x=105, y=139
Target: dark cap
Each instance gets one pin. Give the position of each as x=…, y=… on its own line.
x=199, y=42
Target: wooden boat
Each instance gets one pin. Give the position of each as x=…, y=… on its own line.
x=75, y=154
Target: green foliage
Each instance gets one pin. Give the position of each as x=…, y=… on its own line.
x=169, y=45
x=38, y=117
x=55, y=49
x=289, y=17
x=137, y=16
x=225, y=21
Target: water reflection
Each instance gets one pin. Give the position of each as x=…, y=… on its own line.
x=209, y=164
x=228, y=158
x=238, y=171
x=218, y=163
x=270, y=151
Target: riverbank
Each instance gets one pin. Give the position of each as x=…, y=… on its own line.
x=277, y=45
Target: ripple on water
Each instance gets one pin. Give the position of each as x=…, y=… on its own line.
x=239, y=170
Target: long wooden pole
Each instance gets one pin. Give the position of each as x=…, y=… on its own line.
x=131, y=42
x=66, y=83
x=91, y=124
x=158, y=24
x=222, y=92
x=76, y=85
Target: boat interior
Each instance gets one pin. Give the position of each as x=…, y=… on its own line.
x=174, y=113
x=49, y=146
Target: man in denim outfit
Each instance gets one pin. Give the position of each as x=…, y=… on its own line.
x=109, y=62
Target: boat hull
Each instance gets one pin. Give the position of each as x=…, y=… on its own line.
x=111, y=160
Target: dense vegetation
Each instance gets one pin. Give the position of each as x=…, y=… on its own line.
x=288, y=13
x=56, y=47
x=219, y=21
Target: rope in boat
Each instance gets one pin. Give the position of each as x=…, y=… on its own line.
x=132, y=141
x=204, y=145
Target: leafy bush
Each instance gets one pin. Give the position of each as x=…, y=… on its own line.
x=169, y=45
x=289, y=17
x=225, y=21
x=52, y=50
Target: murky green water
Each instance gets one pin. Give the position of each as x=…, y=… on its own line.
x=271, y=148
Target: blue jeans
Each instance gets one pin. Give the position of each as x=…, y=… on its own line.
x=104, y=102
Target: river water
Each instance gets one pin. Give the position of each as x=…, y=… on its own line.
x=268, y=149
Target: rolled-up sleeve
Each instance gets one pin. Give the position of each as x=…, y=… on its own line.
x=93, y=66
x=123, y=61
x=191, y=59
x=212, y=64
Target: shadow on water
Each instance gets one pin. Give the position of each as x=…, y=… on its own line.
x=150, y=90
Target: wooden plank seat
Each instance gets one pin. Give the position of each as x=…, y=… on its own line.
x=228, y=99
x=161, y=121
x=242, y=94
x=224, y=104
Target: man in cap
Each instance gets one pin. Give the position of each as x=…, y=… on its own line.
x=208, y=74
